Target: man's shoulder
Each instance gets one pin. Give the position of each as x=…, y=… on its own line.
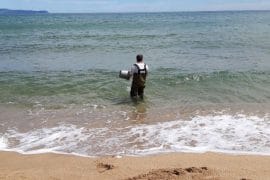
x=140, y=66
x=146, y=66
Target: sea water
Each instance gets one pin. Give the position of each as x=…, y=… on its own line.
x=208, y=87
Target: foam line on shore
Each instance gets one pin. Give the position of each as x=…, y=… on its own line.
x=238, y=134
x=3, y=143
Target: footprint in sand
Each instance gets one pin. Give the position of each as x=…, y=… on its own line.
x=177, y=173
x=102, y=167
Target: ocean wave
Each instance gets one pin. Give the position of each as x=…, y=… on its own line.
x=224, y=133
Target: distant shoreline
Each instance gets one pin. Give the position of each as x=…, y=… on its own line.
x=21, y=12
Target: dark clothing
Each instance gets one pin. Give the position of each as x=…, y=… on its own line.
x=138, y=82
x=136, y=90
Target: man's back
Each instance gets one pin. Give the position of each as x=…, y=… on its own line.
x=139, y=72
x=140, y=65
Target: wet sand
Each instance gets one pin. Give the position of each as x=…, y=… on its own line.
x=165, y=166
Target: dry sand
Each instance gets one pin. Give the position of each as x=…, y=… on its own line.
x=166, y=166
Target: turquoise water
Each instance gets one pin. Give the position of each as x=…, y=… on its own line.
x=165, y=86
x=48, y=55
x=60, y=71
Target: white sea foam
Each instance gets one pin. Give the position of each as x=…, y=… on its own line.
x=223, y=133
x=209, y=133
x=3, y=143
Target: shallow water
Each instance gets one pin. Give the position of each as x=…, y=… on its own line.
x=208, y=86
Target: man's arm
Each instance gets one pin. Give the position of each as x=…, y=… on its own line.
x=132, y=70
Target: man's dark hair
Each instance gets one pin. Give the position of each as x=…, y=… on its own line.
x=139, y=58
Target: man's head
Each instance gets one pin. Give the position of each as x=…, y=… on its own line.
x=139, y=58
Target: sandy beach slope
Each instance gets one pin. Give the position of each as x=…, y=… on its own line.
x=165, y=166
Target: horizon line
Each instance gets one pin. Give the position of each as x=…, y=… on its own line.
x=126, y=12
x=133, y=12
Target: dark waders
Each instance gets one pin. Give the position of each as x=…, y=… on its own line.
x=138, y=83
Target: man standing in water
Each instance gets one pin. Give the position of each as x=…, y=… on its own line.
x=139, y=72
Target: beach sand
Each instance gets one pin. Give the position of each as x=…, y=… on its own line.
x=164, y=166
